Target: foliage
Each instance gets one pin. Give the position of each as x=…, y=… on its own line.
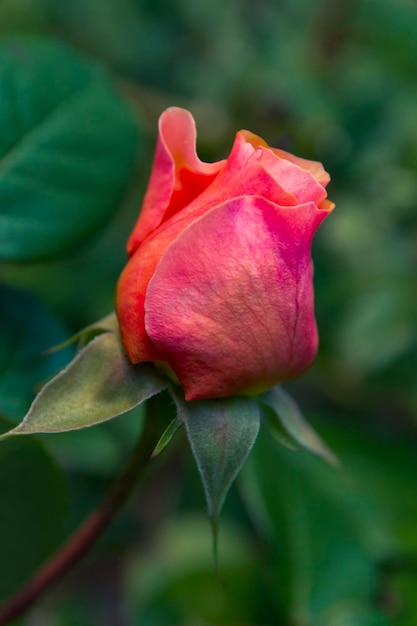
x=300, y=543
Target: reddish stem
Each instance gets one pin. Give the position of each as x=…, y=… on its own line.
x=88, y=533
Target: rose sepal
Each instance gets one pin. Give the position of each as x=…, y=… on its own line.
x=97, y=385
x=289, y=426
x=107, y=324
x=221, y=434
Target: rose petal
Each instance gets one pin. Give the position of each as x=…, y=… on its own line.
x=178, y=176
x=230, y=306
x=254, y=140
x=130, y=308
x=314, y=167
x=297, y=181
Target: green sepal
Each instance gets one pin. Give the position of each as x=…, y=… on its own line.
x=166, y=436
x=221, y=434
x=98, y=385
x=289, y=416
x=276, y=429
x=107, y=324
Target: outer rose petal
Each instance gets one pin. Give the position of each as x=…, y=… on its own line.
x=314, y=167
x=178, y=176
x=297, y=181
x=130, y=307
x=230, y=306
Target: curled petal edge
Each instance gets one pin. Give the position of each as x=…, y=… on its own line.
x=177, y=177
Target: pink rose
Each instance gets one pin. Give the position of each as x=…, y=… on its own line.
x=219, y=287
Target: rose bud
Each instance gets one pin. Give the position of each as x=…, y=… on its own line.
x=219, y=287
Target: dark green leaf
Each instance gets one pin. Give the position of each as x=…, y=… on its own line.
x=27, y=330
x=291, y=418
x=221, y=435
x=33, y=510
x=67, y=148
x=97, y=385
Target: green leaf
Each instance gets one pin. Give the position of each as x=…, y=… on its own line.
x=292, y=420
x=68, y=147
x=97, y=385
x=33, y=510
x=166, y=436
x=26, y=331
x=221, y=435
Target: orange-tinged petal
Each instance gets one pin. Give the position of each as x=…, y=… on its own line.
x=254, y=140
x=130, y=308
x=178, y=176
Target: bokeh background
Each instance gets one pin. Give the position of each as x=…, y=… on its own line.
x=300, y=544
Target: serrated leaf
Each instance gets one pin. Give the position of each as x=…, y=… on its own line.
x=221, y=435
x=293, y=421
x=33, y=509
x=68, y=147
x=99, y=384
x=26, y=331
x=166, y=436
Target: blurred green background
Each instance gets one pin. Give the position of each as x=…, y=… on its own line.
x=299, y=545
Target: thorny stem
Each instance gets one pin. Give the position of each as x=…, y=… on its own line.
x=92, y=528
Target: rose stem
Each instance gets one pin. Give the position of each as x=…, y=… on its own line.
x=91, y=529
